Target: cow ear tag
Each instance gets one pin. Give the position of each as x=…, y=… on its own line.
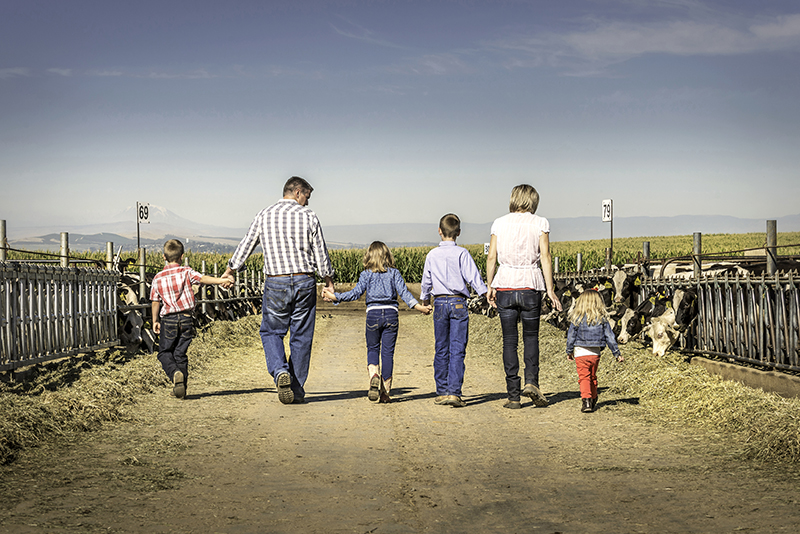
x=608, y=285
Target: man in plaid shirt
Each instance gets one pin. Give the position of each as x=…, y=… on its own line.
x=172, y=300
x=294, y=249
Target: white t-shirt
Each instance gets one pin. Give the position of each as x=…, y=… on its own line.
x=518, y=251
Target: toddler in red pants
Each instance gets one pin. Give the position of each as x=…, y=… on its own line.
x=589, y=333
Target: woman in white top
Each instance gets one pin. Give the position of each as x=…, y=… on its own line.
x=521, y=244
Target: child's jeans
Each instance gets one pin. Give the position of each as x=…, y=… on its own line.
x=381, y=335
x=177, y=332
x=587, y=375
x=451, y=331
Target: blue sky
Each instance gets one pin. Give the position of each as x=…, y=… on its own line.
x=398, y=111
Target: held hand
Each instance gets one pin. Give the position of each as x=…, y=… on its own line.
x=423, y=309
x=620, y=358
x=570, y=356
x=328, y=295
x=157, y=327
x=491, y=297
x=554, y=300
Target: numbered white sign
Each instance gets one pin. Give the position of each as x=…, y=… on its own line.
x=486, y=249
x=608, y=210
x=142, y=213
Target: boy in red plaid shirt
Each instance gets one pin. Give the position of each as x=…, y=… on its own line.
x=174, y=322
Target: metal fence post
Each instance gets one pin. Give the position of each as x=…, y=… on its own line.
x=142, y=274
x=608, y=259
x=646, y=257
x=64, y=249
x=697, y=250
x=3, y=240
x=555, y=265
x=203, y=307
x=772, y=243
x=109, y=255
x=579, y=262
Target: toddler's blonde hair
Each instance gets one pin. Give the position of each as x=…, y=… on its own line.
x=588, y=305
x=378, y=258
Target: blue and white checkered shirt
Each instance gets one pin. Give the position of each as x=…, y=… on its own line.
x=291, y=237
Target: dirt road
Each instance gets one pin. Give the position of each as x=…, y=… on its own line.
x=232, y=459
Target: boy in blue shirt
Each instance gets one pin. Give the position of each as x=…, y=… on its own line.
x=448, y=270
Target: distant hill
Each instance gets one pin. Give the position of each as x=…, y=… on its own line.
x=202, y=237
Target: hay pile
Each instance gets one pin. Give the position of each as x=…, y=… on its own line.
x=756, y=425
x=80, y=393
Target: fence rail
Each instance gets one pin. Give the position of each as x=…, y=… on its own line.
x=49, y=312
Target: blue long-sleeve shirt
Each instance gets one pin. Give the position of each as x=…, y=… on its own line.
x=448, y=270
x=382, y=289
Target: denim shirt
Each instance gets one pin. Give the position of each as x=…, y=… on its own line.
x=382, y=289
x=596, y=335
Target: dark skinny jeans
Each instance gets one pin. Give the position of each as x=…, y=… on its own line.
x=520, y=305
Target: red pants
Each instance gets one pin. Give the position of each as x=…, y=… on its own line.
x=587, y=375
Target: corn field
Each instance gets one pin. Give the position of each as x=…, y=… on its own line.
x=410, y=261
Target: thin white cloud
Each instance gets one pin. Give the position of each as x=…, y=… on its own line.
x=363, y=34
x=604, y=43
x=61, y=72
x=16, y=72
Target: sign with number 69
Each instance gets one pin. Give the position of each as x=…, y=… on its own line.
x=142, y=213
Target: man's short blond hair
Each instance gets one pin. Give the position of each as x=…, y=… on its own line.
x=173, y=250
x=523, y=198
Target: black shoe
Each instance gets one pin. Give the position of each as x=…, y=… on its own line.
x=594, y=402
x=587, y=406
x=513, y=405
x=285, y=393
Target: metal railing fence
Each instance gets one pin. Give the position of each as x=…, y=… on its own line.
x=49, y=312
x=753, y=320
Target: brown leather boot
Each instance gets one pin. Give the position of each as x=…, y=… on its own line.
x=587, y=405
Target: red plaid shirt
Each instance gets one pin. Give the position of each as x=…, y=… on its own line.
x=173, y=288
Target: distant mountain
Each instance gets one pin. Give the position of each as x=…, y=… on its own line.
x=203, y=237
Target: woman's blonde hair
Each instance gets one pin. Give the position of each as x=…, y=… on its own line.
x=588, y=305
x=378, y=258
x=523, y=198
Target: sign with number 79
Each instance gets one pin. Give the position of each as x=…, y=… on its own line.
x=608, y=210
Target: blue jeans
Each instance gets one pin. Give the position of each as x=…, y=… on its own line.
x=289, y=305
x=381, y=338
x=177, y=332
x=523, y=305
x=450, y=330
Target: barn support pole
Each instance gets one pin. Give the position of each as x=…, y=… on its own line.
x=608, y=259
x=697, y=250
x=772, y=244
x=64, y=249
x=142, y=273
x=3, y=240
x=109, y=255
x=646, y=256
x=579, y=262
x=555, y=265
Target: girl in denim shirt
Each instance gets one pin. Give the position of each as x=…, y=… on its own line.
x=589, y=333
x=382, y=284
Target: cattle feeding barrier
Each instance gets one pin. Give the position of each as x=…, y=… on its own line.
x=49, y=312
x=741, y=318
